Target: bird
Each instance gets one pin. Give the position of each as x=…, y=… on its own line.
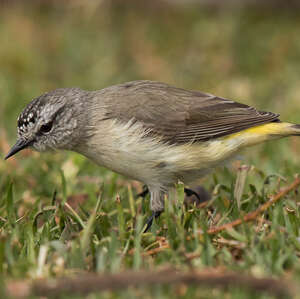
x=148, y=131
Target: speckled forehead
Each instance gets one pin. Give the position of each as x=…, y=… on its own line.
x=36, y=111
x=28, y=117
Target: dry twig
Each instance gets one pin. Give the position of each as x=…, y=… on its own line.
x=156, y=250
x=253, y=215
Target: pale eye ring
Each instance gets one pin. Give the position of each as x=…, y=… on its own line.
x=46, y=128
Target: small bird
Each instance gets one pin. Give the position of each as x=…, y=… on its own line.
x=149, y=131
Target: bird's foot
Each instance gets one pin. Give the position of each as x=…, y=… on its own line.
x=190, y=192
x=143, y=193
x=151, y=218
x=187, y=191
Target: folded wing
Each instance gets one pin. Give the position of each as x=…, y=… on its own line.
x=180, y=116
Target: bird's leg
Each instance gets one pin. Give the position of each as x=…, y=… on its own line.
x=187, y=191
x=157, y=202
x=150, y=220
x=190, y=192
x=156, y=205
x=144, y=192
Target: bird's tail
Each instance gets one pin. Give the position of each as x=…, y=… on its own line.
x=266, y=132
x=280, y=129
x=295, y=130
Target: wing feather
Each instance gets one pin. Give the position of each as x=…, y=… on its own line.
x=178, y=115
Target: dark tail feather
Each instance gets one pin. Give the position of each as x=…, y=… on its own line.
x=296, y=129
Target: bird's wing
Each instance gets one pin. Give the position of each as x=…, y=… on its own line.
x=178, y=115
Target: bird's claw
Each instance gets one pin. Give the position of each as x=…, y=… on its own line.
x=155, y=214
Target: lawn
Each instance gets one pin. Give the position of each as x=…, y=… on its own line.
x=70, y=227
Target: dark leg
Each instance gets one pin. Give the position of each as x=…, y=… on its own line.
x=151, y=218
x=187, y=191
x=190, y=192
x=143, y=193
x=196, y=196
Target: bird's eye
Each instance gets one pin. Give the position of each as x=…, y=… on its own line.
x=46, y=128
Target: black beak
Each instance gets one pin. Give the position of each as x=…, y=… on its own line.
x=20, y=144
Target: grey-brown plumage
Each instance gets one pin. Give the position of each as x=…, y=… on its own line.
x=147, y=130
x=180, y=115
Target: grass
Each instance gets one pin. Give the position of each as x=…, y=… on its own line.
x=60, y=215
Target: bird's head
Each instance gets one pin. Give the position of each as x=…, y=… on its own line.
x=50, y=121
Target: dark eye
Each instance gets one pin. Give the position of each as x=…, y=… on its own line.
x=46, y=128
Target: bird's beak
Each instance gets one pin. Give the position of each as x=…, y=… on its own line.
x=20, y=144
